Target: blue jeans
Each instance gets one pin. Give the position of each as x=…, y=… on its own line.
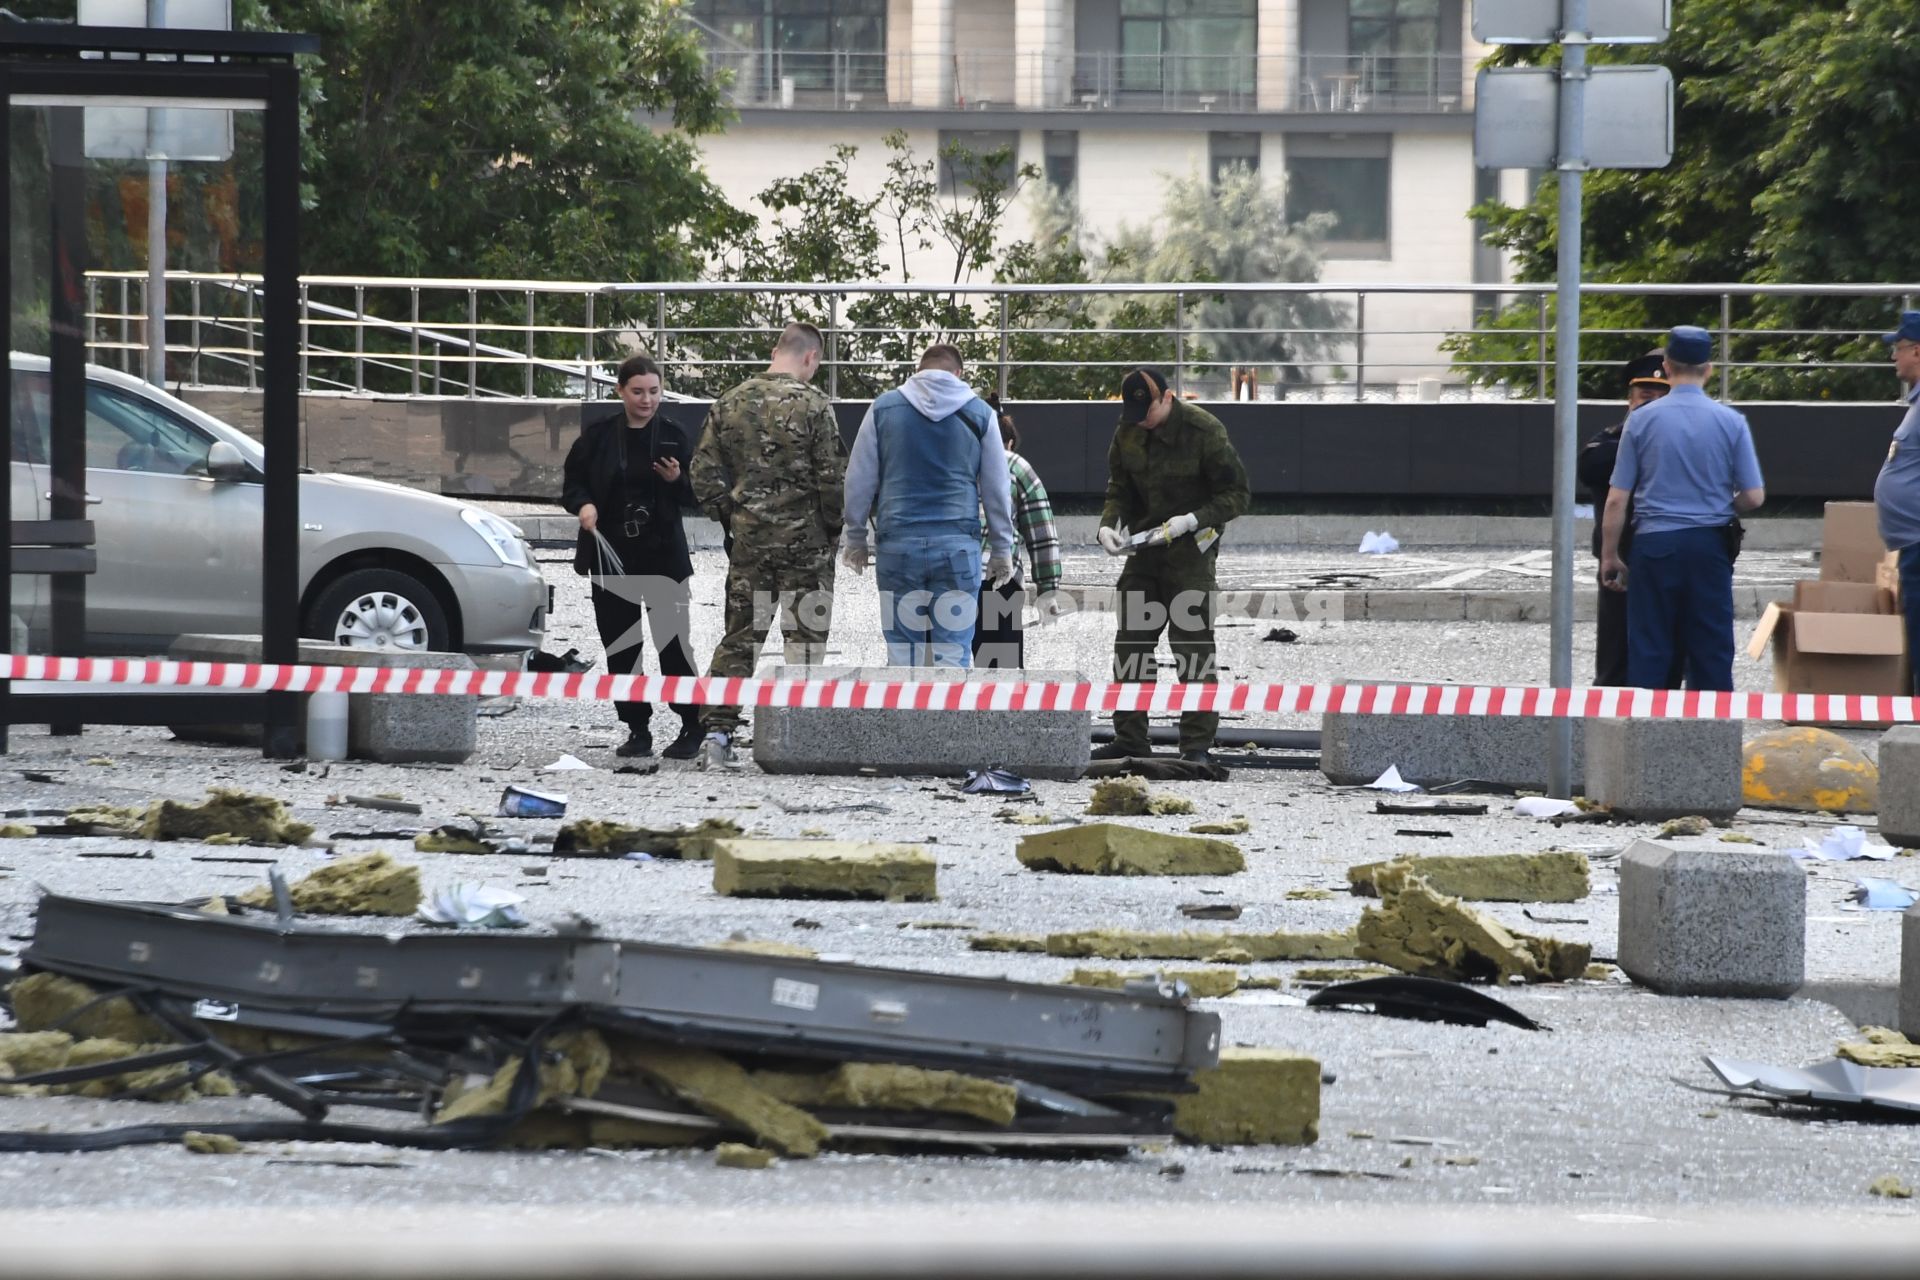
x=1680, y=607
x=929, y=599
x=1910, y=605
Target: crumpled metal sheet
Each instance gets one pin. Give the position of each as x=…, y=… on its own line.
x=1834, y=1083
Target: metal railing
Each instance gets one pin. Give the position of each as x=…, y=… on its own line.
x=1005, y=79
x=530, y=340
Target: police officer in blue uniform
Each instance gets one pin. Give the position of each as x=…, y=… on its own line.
x=1897, y=492
x=1688, y=466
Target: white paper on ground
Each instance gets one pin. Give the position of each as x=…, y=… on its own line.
x=1392, y=781
x=1379, y=544
x=1542, y=807
x=474, y=906
x=565, y=762
x=1843, y=844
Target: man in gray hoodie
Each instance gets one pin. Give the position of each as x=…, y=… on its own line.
x=927, y=461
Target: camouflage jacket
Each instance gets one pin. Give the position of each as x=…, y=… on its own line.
x=1186, y=464
x=771, y=467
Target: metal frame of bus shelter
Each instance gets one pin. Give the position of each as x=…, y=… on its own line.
x=65, y=68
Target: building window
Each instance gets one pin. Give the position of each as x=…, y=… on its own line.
x=1395, y=45
x=1062, y=157
x=1225, y=150
x=1349, y=178
x=818, y=44
x=1187, y=46
x=967, y=155
x=1383, y=27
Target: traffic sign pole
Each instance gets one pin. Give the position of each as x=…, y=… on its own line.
x=1571, y=165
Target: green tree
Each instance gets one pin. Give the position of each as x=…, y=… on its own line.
x=1072, y=345
x=1794, y=163
x=505, y=139
x=1235, y=231
x=819, y=231
x=509, y=140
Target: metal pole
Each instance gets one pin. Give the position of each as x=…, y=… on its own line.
x=253, y=340
x=660, y=328
x=530, y=322
x=306, y=338
x=193, y=294
x=473, y=342
x=1726, y=343
x=1540, y=353
x=413, y=337
x=359, y=337
x=1566, y=388
x=1179, y=341
x=1359, y=347
x=1005, y=352
x=156, y=263
x=833, y=346
x=586, y=355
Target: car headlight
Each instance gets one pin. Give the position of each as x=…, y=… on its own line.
x=498, y=534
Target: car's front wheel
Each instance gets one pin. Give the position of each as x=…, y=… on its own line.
x=380, y=609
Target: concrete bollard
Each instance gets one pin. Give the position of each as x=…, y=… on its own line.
x=1653, y=770
x=1900, y=785
x=1699, y=922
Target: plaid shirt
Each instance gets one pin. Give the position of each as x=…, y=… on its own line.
x=1033, y=516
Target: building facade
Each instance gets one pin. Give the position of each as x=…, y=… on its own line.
x=1363, y=108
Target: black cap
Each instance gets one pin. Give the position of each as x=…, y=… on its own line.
x=1648, y=370
x=1137, y=394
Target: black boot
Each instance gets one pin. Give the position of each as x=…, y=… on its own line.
x=687, y=745
x=1120, y=751
x=639, y=743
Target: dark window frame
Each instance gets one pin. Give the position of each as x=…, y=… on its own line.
x=1305, y=153
x=976, y=141
x=1232, y=71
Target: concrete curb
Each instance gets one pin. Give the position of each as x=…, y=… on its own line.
x=1413, y=606
x=1341, y=532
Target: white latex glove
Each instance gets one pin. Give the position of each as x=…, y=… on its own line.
x=999, y=570
x=857, y=557
x=1051, y=606
x=1180, y=526
x=1114, y=540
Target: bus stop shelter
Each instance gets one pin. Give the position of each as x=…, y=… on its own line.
x=63, y=70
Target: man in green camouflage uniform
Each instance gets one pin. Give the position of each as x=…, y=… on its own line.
x=771, y=469
x=1171, y=472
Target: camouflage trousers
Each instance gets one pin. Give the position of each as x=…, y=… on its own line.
x=797, y=590
x=1167, y=590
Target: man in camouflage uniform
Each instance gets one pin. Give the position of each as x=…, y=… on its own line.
x=1171, y=472
x=770, y=468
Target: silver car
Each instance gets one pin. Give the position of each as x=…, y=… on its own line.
x=176, y=499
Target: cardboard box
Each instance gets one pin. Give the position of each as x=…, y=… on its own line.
x=1841, y=597
x=1839, y=637
x=1850, y=546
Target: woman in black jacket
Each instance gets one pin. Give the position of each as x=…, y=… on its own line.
x=626, y=478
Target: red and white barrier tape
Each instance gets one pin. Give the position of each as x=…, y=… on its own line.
x=1011, y=695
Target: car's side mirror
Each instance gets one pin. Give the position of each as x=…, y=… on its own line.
x=225, y=463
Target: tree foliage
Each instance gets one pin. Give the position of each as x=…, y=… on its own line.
x=1794, y=163
x=504, y=139
x=1235, y=231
